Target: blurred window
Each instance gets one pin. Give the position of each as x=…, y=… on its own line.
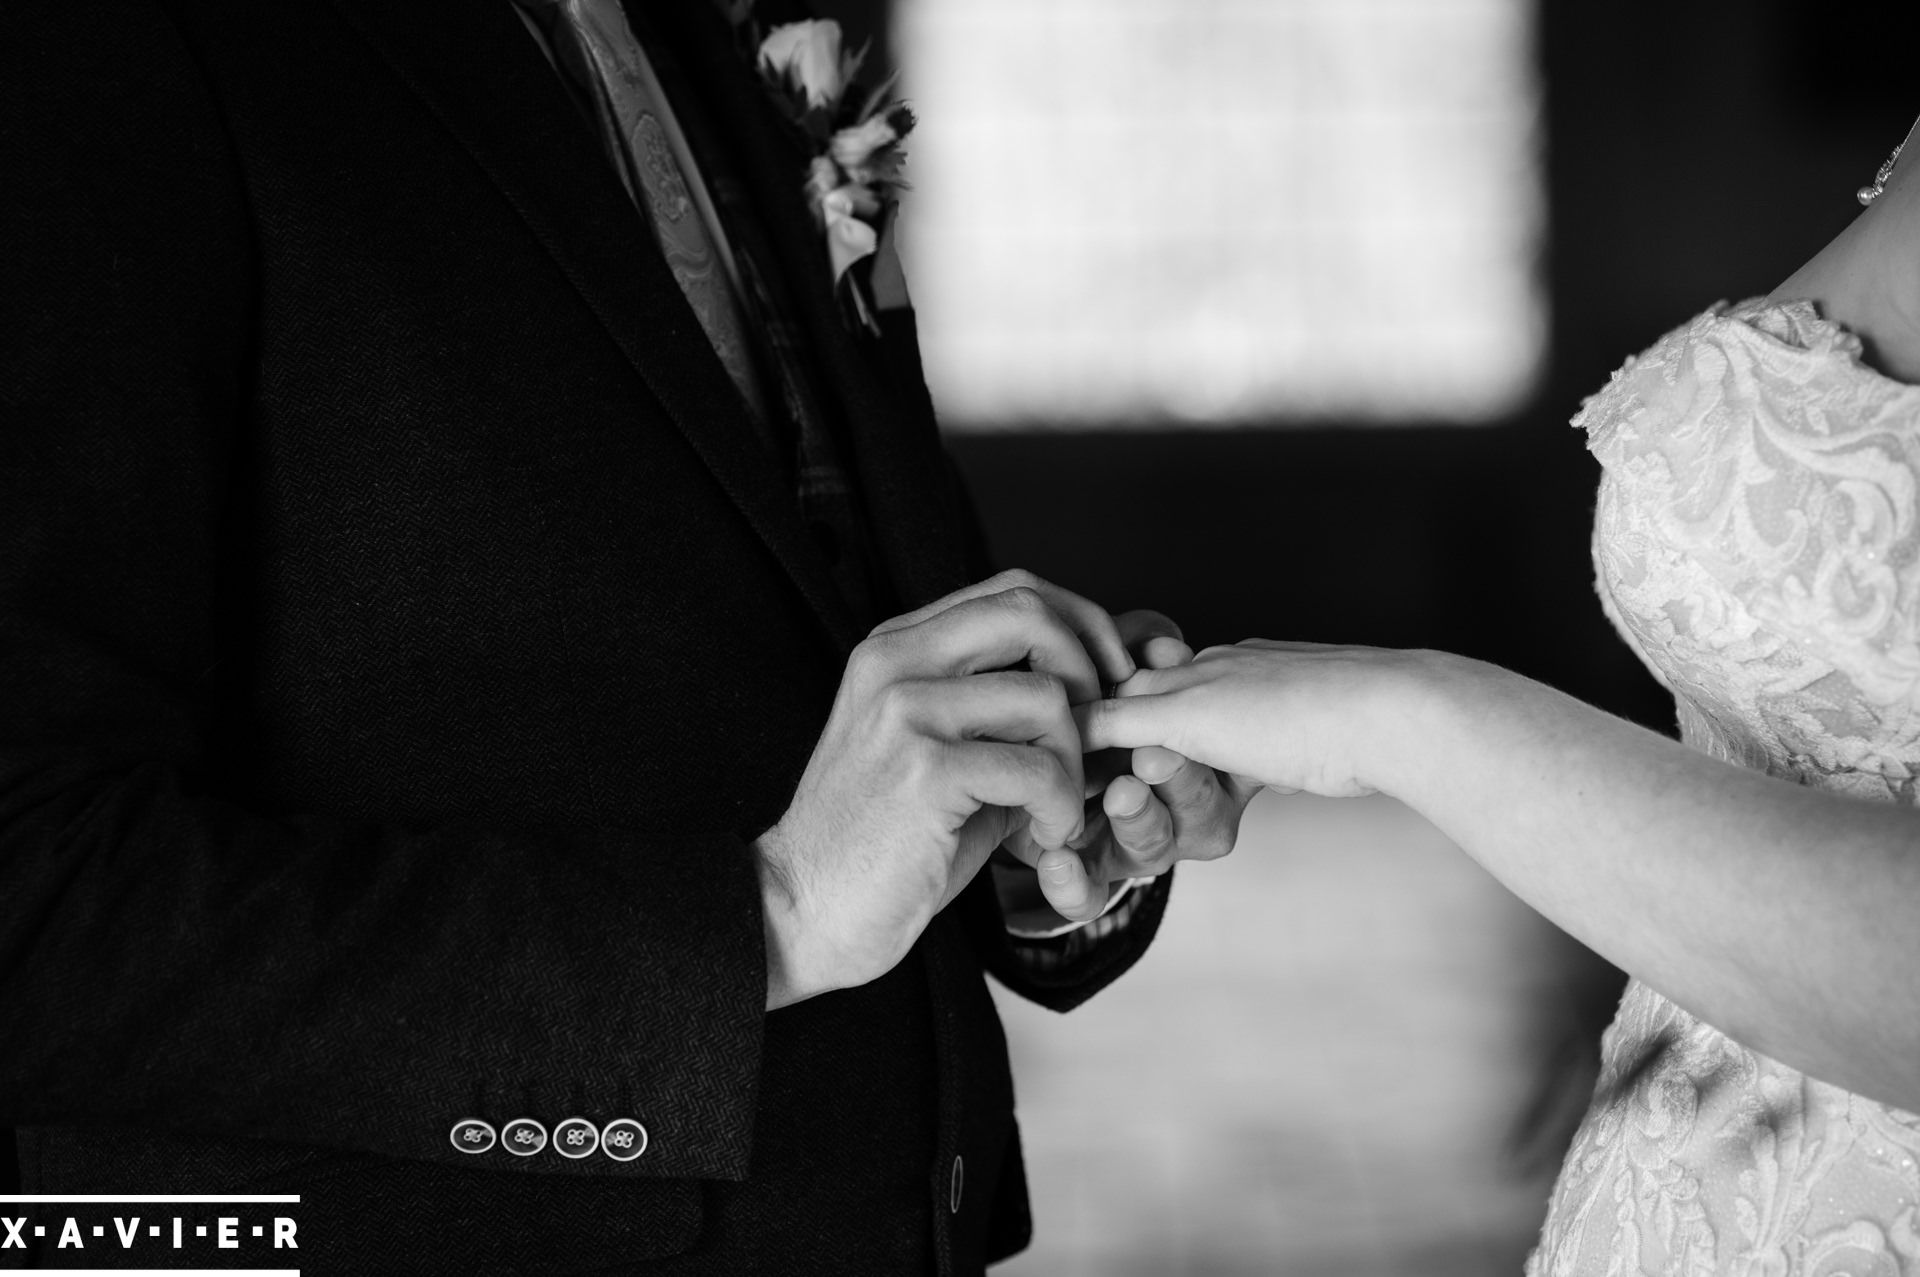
x=1223, y=211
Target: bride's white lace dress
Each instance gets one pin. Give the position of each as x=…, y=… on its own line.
x=1757, y=542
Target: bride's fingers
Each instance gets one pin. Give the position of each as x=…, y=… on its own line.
x=1128, y=722
x=1287, y=645
x=1151, y=682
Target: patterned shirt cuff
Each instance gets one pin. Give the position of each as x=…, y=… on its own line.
x=1043, y=941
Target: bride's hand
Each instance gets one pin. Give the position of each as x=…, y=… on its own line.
x=1295, y=717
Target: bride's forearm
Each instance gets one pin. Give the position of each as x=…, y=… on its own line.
x=1785, y=916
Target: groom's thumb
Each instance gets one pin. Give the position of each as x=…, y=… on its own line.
x=1065, y=884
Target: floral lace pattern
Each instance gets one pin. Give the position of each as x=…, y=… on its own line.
x=1757, y=542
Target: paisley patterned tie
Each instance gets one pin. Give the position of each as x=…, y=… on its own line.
x=598, y=52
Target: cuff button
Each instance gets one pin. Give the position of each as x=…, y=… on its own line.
x=471, y=1135
x=576, y=1138
x=523, y=1137
x=623, y=1139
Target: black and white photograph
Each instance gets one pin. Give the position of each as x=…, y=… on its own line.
x=930, y=638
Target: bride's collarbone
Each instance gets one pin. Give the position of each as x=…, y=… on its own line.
x=1868, y=281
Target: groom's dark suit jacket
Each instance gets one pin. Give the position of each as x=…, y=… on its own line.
x=402, y=632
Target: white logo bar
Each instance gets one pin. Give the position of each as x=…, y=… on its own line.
x=148, y=1199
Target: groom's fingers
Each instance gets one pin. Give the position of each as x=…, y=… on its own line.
x=1157, y=765
x=992, y=632
x=1010, y=706
x=1097, y=633
x=1152, y=638
x=1206, y=818
x=1143, y=834
x=1065, y=883
x=1164, y=652
x=1169, y=809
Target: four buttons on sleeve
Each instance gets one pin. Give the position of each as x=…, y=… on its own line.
x=623, y=1139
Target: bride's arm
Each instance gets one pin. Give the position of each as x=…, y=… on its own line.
x=1785, y=916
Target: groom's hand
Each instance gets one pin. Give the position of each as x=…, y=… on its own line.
x=936, y=749
x=1156, y=807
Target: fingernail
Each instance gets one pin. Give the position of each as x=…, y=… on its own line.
x=1058, y=873
x=1153, y=765
x=1165, y=653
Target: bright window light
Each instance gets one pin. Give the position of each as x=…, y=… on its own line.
x=1223, y=211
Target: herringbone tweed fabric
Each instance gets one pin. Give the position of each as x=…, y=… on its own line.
x=401, y=634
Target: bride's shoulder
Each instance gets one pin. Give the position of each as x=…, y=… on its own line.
x=1761, y=376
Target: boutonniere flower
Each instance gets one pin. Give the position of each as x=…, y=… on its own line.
x=856, y=172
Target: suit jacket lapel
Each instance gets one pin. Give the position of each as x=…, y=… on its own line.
x=892, y=436
x=480, y=73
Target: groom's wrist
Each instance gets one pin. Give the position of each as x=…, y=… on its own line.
x=782, y=928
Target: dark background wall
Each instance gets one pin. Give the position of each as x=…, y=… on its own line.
x=1694, y=151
